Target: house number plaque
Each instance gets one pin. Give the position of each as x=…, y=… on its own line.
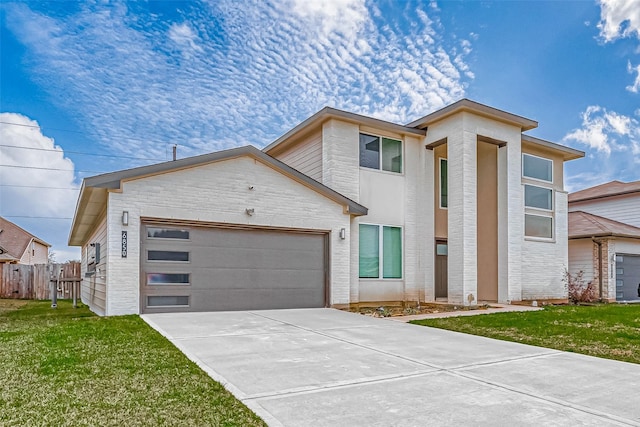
x=124, y=244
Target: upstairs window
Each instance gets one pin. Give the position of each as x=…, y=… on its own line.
x=380, y=153
x=444, y=184
x=538, y=197
x=538, y=226
x=537, y=168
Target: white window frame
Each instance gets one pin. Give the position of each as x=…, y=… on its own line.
x=540, y=238
x=440, y=159
x=379, y=168
x=535, y=208
x=537, y=179
x=381, y=252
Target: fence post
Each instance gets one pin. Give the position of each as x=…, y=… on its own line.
x=54, y=292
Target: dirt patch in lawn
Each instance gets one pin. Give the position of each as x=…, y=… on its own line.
x=7, y=305
x=426, y=308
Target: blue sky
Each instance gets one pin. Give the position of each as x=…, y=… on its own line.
x=105, y=85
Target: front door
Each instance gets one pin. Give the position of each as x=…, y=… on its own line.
x=441, y=269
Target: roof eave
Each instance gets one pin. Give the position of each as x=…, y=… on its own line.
x=476, y=108
x=600, y=235
x=568, y=153
x=86, y=214
x=603, y=196
x=333, y=113
x=93, y=193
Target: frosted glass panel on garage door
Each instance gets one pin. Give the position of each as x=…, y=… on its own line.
x=627, y=277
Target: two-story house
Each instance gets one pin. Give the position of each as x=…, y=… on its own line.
x=604, y=238
x=458, y=206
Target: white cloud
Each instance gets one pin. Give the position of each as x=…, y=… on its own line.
x=605, y=131
x=619, y=19
x=184, y=37
x=242, y=75
x=31, y=159
x=635, y=87
x=37, y=180
x=345, y=17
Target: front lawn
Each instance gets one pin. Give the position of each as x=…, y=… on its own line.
x=611, y=331
x=68, y=367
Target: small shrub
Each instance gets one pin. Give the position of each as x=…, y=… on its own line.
x=578, y=290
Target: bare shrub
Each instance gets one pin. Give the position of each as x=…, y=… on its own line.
x=578, y=290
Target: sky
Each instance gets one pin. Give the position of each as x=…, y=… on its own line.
x=99, y=86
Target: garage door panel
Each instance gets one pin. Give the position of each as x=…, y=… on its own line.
x=256, y=299
x=235, y=278
x=233, y=269
x=256, y=258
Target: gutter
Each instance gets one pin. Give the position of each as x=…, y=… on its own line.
x=600, y=281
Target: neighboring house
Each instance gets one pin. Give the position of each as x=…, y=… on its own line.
x=604, y=238
x=458, y=206
x=18, y=246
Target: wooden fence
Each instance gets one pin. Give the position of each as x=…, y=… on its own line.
x=35, y=281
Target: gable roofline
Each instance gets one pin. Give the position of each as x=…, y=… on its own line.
x=14, y=247
x=94, y=189
x=602, y=191
x=333, y=113
x=568, y=153
x=599, y=226
x=475, y=108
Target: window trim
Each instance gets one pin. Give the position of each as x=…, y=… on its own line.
x=167, y=305
x=440, y=159
x=540, y=238
x=167, y=284
x=162, y=260
x=379, y=168
x=537, y=179
x=381, y=253
x=171, y=239
x=535, y=208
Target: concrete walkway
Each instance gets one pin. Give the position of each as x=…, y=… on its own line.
x=328, y=367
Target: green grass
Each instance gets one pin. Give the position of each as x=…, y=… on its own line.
x=611, y=331
x=67, y=367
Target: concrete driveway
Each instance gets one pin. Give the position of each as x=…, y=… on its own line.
x=318, y=367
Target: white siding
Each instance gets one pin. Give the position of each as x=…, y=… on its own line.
x=341, y=158
x=220, y=192
x=581, y=258
x=621, y=208
x=628, y=246
x=305, y=156
x=38, y=255
x=93, y=289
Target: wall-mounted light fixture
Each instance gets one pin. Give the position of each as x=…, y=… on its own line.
x=250, y=212
x=125, y=218
x=343, y=233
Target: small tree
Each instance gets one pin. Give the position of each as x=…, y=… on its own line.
x=578, y=290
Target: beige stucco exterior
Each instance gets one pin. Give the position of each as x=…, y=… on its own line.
x=489, y=256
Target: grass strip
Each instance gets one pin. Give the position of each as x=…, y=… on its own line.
x=68, y=367
x=610, y=331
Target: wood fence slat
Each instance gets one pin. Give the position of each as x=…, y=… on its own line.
x=34, y=281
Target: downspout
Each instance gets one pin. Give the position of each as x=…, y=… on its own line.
x=599, y=243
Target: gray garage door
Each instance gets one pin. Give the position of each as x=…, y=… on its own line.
x=627, y=277
x=214, y=269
